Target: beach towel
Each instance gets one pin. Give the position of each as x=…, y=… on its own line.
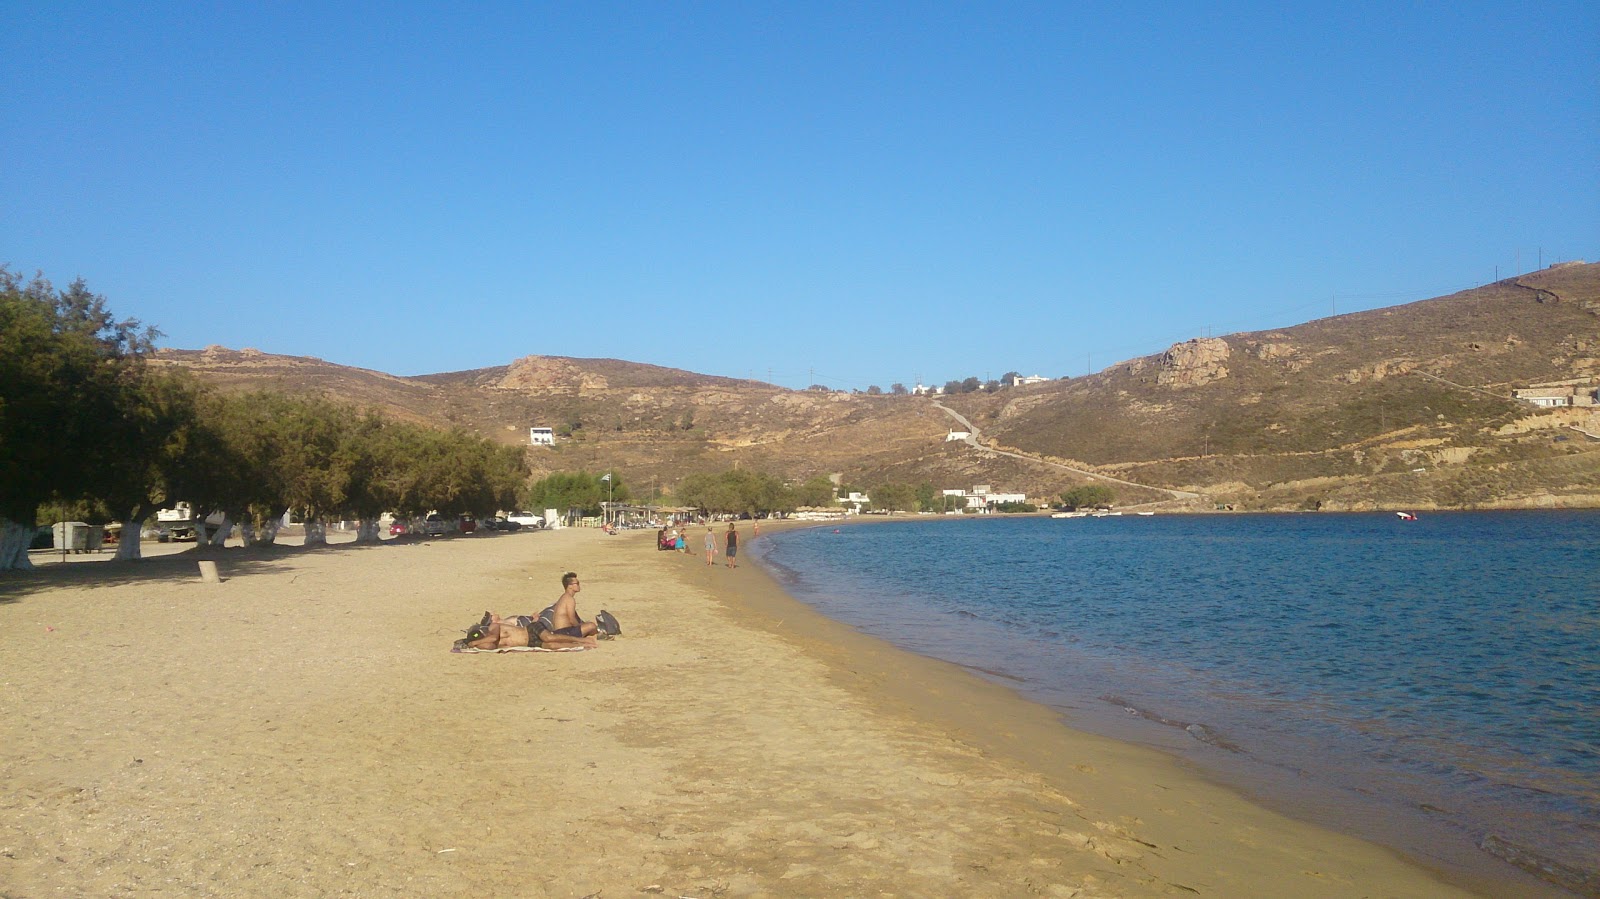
x=523, y=649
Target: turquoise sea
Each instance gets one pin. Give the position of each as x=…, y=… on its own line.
x=1433, y=684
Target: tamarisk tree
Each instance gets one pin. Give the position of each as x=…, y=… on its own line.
x=71, y=396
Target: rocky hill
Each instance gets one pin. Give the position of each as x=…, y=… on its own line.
x=1405, y=406
x=1402, y=407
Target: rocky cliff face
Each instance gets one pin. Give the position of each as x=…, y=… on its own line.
x=1193, y=363
x=543, y=372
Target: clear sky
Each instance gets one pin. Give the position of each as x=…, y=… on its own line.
x=847, y=194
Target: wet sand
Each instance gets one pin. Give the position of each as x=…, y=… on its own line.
x=302, y=729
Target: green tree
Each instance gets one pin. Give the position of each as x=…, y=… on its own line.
x=736, y=491
x=1014, y=507
x=153, y=418
x=67, y=370
x=1088, y=495
x=817, y=491
x=574, y=490
x=894, y=497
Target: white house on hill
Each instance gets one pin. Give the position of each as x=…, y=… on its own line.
x=1552, y=397
x=1025, y=380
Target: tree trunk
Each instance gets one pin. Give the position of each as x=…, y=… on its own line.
x=14, y=539
x=268, y=534
x=128, y=546
x=367, y=531
x=316, y=532
x=220, y=538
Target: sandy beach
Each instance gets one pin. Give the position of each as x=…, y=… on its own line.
x=302, y=729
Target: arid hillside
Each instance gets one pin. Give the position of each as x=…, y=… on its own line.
x=1406, y=406
x=1409, y=406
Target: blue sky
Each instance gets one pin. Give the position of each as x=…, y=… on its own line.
x=846, y=194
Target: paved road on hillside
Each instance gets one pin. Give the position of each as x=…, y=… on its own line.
x=972, y=441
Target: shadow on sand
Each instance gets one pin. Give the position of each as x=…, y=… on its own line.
x=232, y=562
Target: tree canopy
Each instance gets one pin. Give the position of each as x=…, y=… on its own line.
x=1088, y=495
x=87, y=423
x=579, y=490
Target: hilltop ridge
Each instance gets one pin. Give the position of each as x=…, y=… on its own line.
x=1408, y=405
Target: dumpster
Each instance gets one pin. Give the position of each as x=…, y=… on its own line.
x=73, y=535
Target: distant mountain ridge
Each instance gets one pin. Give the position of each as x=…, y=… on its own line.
x=1335, y=413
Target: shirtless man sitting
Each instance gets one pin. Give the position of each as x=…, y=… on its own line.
x=561, y=619
x=557, y=627
x=495, y=632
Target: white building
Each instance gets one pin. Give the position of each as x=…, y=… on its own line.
x=1025, y=380
x=1553, y=397
x=855, y=501
x=542, y=436
x=957, y=435
x=980, y=497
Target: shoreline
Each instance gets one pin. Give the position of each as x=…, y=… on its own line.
x=302, y=728
x=1308, y=787
x=1039, y=744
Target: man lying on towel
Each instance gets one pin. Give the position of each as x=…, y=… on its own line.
x=557, y=627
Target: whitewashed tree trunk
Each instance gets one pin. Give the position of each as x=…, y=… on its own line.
x=220, y=538
x=316, y=532
x=128, y=547
x=367, y=530
x=268, y=534
x=14, y=539
x=247, y=532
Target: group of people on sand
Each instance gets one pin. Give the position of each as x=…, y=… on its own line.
x=678, y=540
x=558, y=626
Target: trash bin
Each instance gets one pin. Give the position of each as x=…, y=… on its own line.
x=96, y=538
x=70, y=535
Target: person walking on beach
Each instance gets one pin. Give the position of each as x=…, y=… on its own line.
x=733, y=546
x=711, y=546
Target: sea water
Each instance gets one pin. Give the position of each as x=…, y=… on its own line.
x=1434, y=684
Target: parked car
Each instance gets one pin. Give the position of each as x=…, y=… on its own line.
x=526, y=519
x=434, y=525
x=398, y=529
x=468, y=524
x=496, y=523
